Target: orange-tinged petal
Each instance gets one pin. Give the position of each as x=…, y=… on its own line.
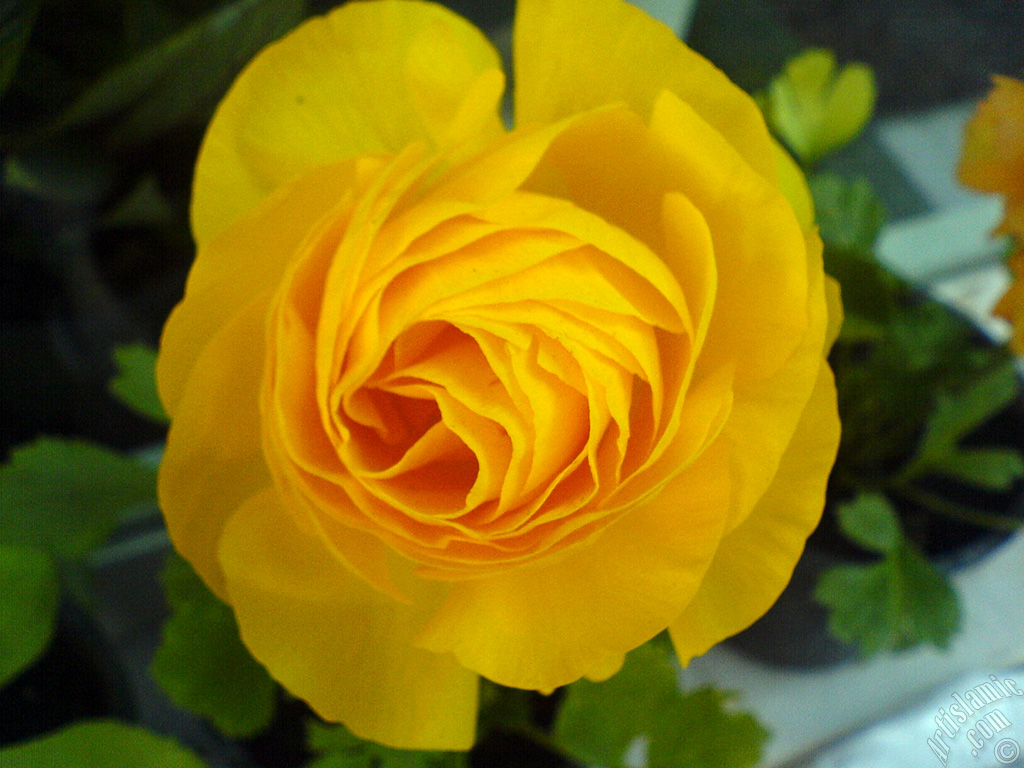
x=574, y=55
x=1011, y=305
x=993, y=161
x=213, y=460
x=547, y=625
x=1013, y=220
x=755, y=561
x=643, y=279
x=336, y=642
x=367, y=78
x=993, y=152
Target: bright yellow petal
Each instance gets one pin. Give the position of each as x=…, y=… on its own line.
x=834, y=301
x=760, y=313
x=544, y=626
x=765, y=413
x=337, y=643
x=368, y=78
x=243, y=261
x=574, y=55
x=755, y=561
x=794, y=186
x=213, y=460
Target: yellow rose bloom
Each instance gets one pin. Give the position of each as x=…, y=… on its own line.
x=993, y=161
x=451, y=400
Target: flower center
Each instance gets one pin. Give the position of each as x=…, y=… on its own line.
x=487, y=393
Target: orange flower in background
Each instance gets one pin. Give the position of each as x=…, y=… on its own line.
x=993, y=161
x=449, y=400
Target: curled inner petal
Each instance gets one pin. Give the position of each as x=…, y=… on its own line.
x=482, y=397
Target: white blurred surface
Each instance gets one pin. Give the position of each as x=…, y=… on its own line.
x=929, y=735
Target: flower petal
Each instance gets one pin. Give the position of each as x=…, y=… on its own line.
x=993, y=152
x=766, y=412
x=367, y=78
x=218, y=286
x=337, y=643
x=755, y=561
x=793, y=185
x=544, y=626
x=761, y=303
x=574, y=55
x=213, y=460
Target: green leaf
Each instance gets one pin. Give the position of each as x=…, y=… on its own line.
x=135, y=382
x=17, y=17
x=849, y=212
x=66, y=495
x=183, y=77
x=995, y=469
x=870, y=521
x=870, y=292
x=715, y=737
x=599, y=721
x=890, y=605
x=338, y=747
x=29, y=598
x=201, y=662
x=99, y=744
x=957, y=415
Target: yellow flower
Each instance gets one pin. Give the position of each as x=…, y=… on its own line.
x=993, y=161
x=814, y=109
x=449, y=400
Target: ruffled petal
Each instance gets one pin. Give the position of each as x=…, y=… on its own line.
x=337, y=643
x=766, y=412
x=367, y=78
x=760, y=312
x=544, y=626
x=574, y=55
x=755, y=561
x=239, y=264
x=213, y=461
